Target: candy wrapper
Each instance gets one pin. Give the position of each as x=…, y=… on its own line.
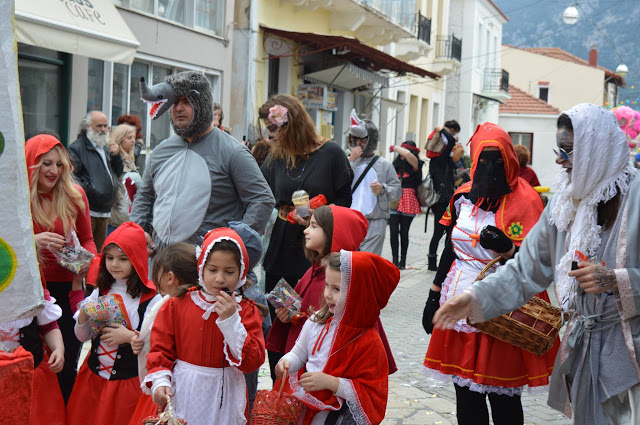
x=283, y=295
x=72, y=256
x=105, y=311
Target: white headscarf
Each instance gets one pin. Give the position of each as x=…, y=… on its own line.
x=600, y=169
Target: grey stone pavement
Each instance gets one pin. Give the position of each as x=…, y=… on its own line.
x=413, y=397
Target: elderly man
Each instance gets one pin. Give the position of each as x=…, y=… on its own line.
x=97, y=169
x=596, y=212
x=375, y=182
x=201, y=177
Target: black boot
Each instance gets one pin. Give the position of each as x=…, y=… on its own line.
x=395, y=261
x=402, y=264
x=433, y=262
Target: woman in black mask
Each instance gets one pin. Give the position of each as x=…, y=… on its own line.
x=487, y=217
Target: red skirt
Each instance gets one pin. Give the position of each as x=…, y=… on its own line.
x=146, y=407
x=47, y=404
x=97, y=401
x=408, y=203
x=16, y=386
x=487, y=361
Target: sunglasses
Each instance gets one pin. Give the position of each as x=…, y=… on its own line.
x=562, y=153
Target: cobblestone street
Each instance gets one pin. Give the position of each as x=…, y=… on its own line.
x=413, y=397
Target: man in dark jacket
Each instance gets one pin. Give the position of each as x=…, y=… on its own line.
x=442, y=169
x=97, y=168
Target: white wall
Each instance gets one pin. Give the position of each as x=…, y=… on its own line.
x=543, y=128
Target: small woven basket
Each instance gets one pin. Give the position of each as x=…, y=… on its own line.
x=164, y=418
x=532, y=327
x=272, y=407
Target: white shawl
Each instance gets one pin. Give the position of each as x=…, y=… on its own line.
x=600, y=169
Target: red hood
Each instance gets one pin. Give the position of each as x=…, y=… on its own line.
x=368, y=281
x=36, y=147
x=519, y=210
x=349, y=229
x=130, y=238
x=487, y=135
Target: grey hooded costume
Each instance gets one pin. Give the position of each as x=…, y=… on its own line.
x=597, y=373
x=385, y=174
x=191, y=187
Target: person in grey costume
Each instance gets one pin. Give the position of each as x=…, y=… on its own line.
x=201, y=177
x=378, y=188
x=253, y=243
x=596, y=211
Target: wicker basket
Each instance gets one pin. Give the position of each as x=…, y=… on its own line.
x=272, y=407
x=164, y=418
x=532, y=327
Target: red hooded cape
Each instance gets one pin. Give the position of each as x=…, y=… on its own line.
x=349, y=230
x=130, y=238
x=519, y=210
x=357, y=353
x=53, y=272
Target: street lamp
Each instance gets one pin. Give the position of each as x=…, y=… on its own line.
x=570, y=15
x=622, y=70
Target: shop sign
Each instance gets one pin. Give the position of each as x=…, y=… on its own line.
x=317, y=96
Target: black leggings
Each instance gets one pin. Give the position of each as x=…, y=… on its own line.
x=399, y=223
x=438, y=229
x=72, y=347
x=471, y=408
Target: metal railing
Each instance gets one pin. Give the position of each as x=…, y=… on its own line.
x=424, y=28
x=496, y=80
x=449, y=47
x=400, y=12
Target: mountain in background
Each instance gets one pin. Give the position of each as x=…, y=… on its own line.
x=604, y=23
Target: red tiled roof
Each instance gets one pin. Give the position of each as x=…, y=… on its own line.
x=558, y=53
x=523, y=103
x=499, y=10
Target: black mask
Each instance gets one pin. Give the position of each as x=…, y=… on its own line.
x=489, y=179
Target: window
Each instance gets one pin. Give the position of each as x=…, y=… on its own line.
x=120, y=91
x=201, y=14
x=525, y=139
x=274, y=76
x=543, y=91
x=95, y=88
x=487, y=53
x=479, y=48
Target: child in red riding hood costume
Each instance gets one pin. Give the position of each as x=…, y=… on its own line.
x=338, y=366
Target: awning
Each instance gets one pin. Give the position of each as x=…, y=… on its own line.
x=352, y=50
x=346, y=77
x=94, y=29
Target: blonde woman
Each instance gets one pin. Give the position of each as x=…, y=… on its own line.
x=124, y=136
x=58, y=206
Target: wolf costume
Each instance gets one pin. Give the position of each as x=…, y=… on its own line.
x=375, y=208
x=192, y=186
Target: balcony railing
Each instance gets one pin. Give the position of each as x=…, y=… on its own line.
x=449, y=47
x=424, y=28
x=401, y=12
x=496, y=80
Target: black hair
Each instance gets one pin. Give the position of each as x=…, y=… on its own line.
x=565, y=122
x=135, y=285
x=452, y=125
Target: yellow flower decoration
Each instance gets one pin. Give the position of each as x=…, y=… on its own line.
x=516, y=229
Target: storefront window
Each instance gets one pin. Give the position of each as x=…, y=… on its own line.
x=95, y=85
x=160, y=127
x=120, y=92
x=209, y=15
x=143, y=5
x=41, y=74
x=136, y=105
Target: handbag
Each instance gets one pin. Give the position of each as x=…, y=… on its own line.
x=164, y=418
x=427, y=195
x=533, y=327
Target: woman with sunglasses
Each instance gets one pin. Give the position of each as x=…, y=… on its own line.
x=300, y=159
x=595, y=211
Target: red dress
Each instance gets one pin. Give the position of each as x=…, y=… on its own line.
x=474, y=359
x=107, y=388
x=197, y=357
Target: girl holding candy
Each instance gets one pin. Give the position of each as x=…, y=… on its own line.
x=107, y=389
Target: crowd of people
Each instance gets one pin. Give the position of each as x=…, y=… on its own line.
x=174, y=249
